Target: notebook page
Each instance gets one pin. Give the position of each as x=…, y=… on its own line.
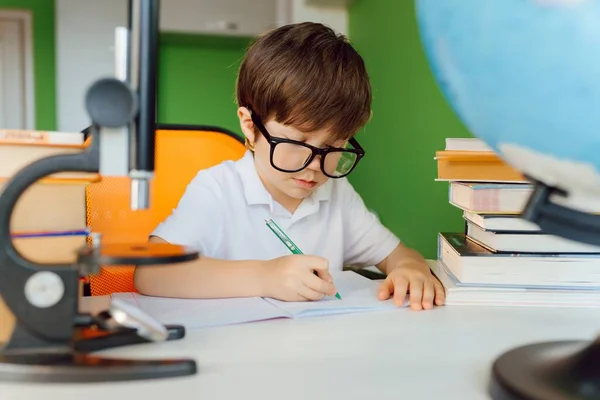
x=359, y=294
x=203, y=313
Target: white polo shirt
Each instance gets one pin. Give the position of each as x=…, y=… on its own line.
x=223, y=210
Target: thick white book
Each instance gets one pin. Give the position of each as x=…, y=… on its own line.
x=527, y=242
x=467, y=144
x=500, y=222
x=22, y=136
x=461, y=294
x=472, y=263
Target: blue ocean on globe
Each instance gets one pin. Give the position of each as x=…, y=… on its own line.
x=523, y=74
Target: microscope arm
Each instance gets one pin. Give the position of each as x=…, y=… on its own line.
x=28, y=274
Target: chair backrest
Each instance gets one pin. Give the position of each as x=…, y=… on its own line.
x=181, y=151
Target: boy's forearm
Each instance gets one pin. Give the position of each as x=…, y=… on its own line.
x=202, y=278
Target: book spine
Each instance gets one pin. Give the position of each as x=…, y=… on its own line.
x=16, y=136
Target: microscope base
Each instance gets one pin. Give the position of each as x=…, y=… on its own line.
x=73, y=364
x=92, y=339
x=562, y=370
x=76, y=367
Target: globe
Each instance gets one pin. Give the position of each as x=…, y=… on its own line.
x=524, y=76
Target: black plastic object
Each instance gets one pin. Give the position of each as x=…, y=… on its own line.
x=567, y=370
x=559, y=220
x=67, y=367
x=111, y=103
x=136, y=253
x=561, y=370
x=93, y=339
x=144, y=81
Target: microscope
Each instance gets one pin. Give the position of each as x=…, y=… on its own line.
x=47, y=338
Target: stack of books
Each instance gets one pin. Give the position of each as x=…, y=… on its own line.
x=48, y=224
x=500, y=258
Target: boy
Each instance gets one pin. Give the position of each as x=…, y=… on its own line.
x=302, y=92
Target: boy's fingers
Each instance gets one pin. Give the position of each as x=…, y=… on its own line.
x=310, y=294
x=320, y=285
x=321, y=267
x=400, y=289
x=428, y=295
x=440, y=293
x=325, y=275
x=317, y=263
x=385, y=289
x=416, y=294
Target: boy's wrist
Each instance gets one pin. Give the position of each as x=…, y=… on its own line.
x=261, y=273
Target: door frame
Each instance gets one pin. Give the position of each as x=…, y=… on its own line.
x=25, y=17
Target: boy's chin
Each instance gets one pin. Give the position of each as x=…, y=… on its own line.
x=300, y=193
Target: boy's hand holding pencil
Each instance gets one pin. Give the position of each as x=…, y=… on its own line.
x=292, y=278
x=292, y=282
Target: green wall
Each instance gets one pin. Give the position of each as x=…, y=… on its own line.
x=410, y=121
x=44, y=65
x=197, y=80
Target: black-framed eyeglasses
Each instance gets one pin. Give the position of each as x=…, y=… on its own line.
x=289, y=155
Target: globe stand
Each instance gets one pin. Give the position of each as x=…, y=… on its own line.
x=558, y=220
x=548, y=371
x=561, y=370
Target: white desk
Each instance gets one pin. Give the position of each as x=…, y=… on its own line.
x=444, y=353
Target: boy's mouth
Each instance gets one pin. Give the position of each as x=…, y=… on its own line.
x=305, y=184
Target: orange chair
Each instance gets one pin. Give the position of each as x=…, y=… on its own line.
x=181, y=151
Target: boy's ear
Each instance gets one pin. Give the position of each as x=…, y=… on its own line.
x=247, y=126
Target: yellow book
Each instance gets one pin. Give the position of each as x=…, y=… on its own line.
x=475, y=166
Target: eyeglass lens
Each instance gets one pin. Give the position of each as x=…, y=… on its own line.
x=293, y=157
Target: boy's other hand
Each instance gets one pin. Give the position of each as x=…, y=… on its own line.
x=414, y=276
x=292, y=278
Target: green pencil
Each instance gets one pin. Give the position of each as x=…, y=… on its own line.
x=287, y=242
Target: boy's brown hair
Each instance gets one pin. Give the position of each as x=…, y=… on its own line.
x=307, y=76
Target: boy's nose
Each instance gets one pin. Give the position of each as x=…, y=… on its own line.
x=315, y=164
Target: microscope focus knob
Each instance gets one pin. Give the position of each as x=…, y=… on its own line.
x=111, y=103
x=44, y=289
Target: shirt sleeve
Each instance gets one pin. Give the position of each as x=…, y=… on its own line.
x=197, y=220
x=367, y=241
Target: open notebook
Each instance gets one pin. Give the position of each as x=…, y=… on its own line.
x=359, y=294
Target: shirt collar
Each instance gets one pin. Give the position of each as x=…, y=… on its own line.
x=255, y=191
